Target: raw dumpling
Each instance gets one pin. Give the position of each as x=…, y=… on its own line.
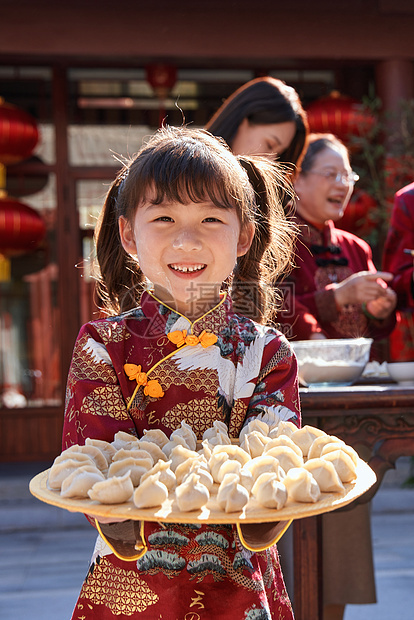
x=59, y=471
x=206, y=449
x=253, y=443
x=115, y=490
x=186, y=432
x=191, y=494
x=122, y=454
x=320, y=442
x=231, y=496
x=107, y=449
x=124, y=440
x=153, y=449
x=269, y=491
x=325, y=475
x=344, y=465
x=228, y=467
x=301, y=485
x=283, y=428
x=234, y=452
x=157, y=436
x=262, y=464
x=186, y=466
x=205, y=477
x=215, y=463
x=78, y=483
x=170, y=445
x=218, y=434
x=286, y=457
x=81, y=457
x=167, y=476
x=254, y=425
x=305, y=436
x=331, y=447
x=282, y=440
x=151, y=492
x=95, y=454
x=136, y=467
x=180, y=454
x=276, y=415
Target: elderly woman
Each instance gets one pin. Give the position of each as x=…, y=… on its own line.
x=335, y=290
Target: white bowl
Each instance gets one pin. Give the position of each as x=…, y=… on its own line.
x=331, y=362
x=401, y=372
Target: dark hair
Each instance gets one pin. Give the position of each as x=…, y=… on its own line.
x=315, y=144
x=184, y=165
x=263, y=101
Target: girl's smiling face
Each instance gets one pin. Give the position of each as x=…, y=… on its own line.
x=186, y=250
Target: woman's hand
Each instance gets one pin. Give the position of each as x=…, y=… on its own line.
x=383, y=306
x=362, y=287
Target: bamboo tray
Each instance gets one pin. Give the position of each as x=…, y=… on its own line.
x=211, y=513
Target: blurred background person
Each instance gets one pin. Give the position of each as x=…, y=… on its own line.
x=263, y=117
x=337, y=290
x=397, y=260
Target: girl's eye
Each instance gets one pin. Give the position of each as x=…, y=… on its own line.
x=164, y=218
x=211, y=219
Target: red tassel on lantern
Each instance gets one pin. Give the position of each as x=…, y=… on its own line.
x=340, y=115
x=162, y=78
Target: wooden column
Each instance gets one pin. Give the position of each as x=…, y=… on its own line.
x=68, y=238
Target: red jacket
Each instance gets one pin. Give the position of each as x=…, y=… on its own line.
x=401, y=236
x=324, y=257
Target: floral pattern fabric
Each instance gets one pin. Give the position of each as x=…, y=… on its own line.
x=189, y=572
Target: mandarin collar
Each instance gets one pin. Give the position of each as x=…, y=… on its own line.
x=165, y=320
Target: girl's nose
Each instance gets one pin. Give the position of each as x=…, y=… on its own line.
x=187, y=239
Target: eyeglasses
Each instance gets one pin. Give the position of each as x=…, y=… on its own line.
x=348, y=178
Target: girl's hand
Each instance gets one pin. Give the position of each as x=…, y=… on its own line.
x=104, y=519
x=361, y=287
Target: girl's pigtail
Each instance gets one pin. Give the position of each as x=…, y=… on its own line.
x=120, y=280
x=270, y=255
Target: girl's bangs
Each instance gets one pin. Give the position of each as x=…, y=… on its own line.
x=195, y=179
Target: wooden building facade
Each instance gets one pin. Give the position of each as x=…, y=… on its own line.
x=85, y=72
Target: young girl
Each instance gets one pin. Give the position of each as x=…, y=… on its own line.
x=179, y=220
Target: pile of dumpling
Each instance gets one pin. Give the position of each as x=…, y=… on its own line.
x=274, y=462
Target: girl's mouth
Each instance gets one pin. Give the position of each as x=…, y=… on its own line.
x=187, y=269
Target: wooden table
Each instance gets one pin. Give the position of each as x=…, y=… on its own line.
x=377, y=420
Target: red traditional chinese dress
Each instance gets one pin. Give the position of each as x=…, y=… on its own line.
x=188, y=572
x=323, y=257
x=401, y=236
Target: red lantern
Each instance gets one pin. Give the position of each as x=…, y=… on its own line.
x=18, y=134
x=360, y=214
x=21, y=227
x=340, y=115
x=162, y=78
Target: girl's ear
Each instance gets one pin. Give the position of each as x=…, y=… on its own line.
x=245, y=239
x=127, y=236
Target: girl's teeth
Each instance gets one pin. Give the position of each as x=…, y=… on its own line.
x=187, y=269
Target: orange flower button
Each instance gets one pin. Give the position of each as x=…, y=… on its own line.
x=154, y=389
x=207, y=339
